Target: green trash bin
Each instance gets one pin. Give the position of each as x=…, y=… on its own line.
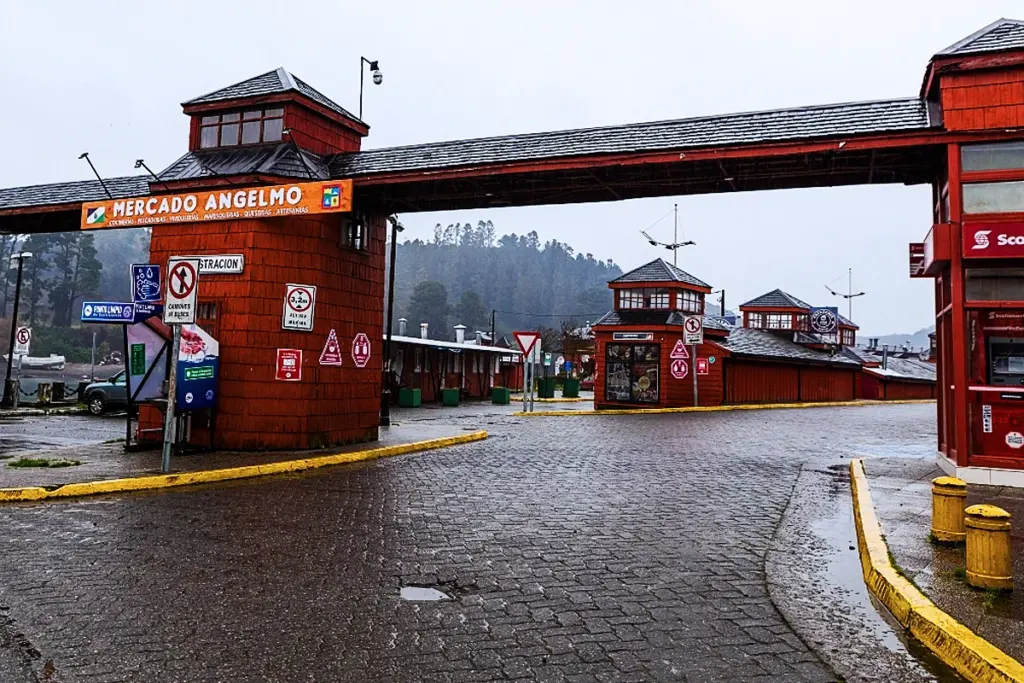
x=570, y=388
x=450, y=397
x=546, y=387
x=501, y=396
x=409, y=398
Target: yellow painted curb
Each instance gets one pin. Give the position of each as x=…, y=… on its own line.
x=159, y=481
x=714, y=409
x=970, y=655
x=519, y=397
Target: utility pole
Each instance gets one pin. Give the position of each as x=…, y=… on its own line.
x=675, y=233
x=9, y=391
x=494, y=342
x=385, y=389
x=850, y=295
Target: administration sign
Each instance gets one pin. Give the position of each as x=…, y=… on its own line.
x=182, y=289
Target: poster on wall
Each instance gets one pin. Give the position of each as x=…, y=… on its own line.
x=147, y=362
x=197, y=369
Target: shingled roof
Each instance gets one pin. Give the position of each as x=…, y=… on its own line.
x=283, y=159
x=68, y=193
x=776, y=299
x=999, y=36
x=660, y=270
x=744, y=341
x=640, y=317
x=276, y=81
x=831, y=120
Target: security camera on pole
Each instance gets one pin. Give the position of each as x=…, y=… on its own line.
x=179, y=309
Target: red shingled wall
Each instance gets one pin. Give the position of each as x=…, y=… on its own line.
x=318, y=133
x=983, y=99
x=750, y=381
x=330, y=404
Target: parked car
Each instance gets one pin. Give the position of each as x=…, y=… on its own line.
x=103, y=396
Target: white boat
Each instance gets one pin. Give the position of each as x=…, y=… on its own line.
x=51, y=362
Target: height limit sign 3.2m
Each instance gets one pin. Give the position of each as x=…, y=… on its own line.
x=299, y=303
x=182, y=288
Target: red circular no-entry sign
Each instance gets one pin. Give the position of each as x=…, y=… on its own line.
x=692, y=325
x=182, y=280
x=24, y=335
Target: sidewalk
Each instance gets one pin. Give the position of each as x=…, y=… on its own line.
x=103, y=462
x=901, y=488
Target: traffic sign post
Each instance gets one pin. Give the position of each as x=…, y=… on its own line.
x=299, y=303
x=693, y=332
x=528, y=342
x=179, y=309
x=22, y=339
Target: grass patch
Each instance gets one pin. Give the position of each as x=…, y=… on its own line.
x=114, y=440
x=990, y=598
x=43, y=462
x=960, y=574
x=899, y=569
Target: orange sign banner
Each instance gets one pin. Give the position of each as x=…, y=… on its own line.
x=266, y=201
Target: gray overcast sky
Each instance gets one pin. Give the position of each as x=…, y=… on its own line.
x=108, y=77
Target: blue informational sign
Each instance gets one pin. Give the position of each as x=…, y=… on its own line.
x=568, y=366
x=145, y=283
x=107, y=312
x=147, y=311
x=824, y=319
x=197, y=369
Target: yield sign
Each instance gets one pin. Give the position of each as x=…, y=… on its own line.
x=331, y=355
x=679, y=350
x=526, y=340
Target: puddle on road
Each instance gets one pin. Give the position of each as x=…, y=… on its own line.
x=421, y=594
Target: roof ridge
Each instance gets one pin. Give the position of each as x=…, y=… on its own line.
x=963, y=43
x=225, y=87
x=660, y=122
x=287, y=81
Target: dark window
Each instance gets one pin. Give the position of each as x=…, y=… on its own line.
x=207, y=311
x=631, y=372
x=755, y=320
x=990, y=284
x=779, y=321
x=651, y=297
x=247, y=128
x=690, y=301
x=354, y=233
x=847, y=337
x=803, y=322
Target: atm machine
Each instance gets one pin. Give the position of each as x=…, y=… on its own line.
x=997, y=382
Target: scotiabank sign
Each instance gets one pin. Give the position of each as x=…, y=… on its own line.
x=993, y=240
x=268, y=201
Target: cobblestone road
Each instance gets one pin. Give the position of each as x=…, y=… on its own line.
x=627, y=548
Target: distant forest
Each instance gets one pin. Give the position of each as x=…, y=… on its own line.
x=466, y=270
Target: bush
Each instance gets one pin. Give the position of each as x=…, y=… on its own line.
x=75, y=343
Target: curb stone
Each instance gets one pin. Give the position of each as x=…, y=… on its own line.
x=160, y=481
x=973, y=657
x=714, y=409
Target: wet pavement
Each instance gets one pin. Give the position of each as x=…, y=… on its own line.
x=901, y=489
x=695, y=547
x=45, y=432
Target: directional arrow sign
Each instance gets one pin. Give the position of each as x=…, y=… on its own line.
x=180, y=298
x=526, y=340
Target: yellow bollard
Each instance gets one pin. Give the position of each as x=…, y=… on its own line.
x=949, y=496
x=989, y=561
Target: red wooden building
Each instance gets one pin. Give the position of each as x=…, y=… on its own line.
x=962, y=134
x=772, y=358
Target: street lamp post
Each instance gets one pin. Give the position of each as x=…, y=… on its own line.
x=675, y=245
x=377, y=79
x=8, y=397
x=385, y=390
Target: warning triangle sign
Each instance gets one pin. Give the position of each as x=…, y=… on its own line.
x=526, y=340
x=331, y=355
x=679, y=350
